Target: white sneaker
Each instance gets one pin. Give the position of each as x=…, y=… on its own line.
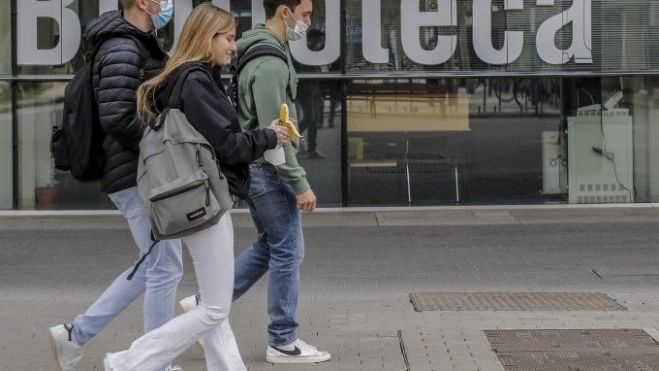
x=188, y=304
x=67, y=351
x=296, y=352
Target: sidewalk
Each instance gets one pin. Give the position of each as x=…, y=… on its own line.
x=360, y=268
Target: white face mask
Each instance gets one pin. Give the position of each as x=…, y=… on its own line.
x=294, y=34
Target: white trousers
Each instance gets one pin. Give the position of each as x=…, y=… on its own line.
x=212, y=255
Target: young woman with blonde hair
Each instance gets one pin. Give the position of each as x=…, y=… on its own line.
x=207, y=41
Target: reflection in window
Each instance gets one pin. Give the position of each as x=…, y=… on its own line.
x=40, y=185
x=319, y=119
x=612, y=140
x=450, y=141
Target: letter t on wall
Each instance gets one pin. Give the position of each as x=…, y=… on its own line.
x=513, y=41
x=411, y=22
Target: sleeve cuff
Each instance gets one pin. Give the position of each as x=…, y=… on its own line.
x=300, y=186
x=271, y=137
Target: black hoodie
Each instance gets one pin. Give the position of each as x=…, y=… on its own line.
x=117, y=70
x=208, y=109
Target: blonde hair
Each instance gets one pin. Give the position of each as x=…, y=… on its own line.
x=194, y=45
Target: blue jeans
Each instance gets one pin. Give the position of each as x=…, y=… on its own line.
x=279, y=247
x=157, y=277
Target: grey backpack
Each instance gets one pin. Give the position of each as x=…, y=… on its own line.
x=178, y=176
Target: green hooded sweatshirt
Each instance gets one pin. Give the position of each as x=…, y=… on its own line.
x=264, y=84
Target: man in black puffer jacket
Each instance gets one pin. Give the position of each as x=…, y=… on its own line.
x=129, y=54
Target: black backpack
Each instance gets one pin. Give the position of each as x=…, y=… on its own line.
x=251, y=54
x=77, y=145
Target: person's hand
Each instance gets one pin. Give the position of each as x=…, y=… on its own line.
x=281, y=131
x=307, y=201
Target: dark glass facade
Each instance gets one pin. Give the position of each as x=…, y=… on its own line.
x=401, y=102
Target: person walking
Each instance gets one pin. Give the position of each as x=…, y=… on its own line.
x=118, y=69
x=277, y=193
x=207, y=42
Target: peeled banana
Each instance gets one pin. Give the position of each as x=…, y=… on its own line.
x=284, y=120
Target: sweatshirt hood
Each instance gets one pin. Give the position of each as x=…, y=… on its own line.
x=112, y=24
x=263, y=35
x=259, y=34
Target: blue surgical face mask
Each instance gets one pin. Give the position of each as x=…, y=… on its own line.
x=165, y=14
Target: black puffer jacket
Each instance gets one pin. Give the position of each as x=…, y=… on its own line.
x=118, y=69
x=207, y=108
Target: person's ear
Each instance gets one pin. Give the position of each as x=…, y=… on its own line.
x=141, y=4
x=282, y=10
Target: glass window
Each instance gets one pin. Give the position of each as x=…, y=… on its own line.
x=39, y=184
x=641, y=97
x=5, y=38
x=528, y=36
x=6, y=150
x=515, y=125
x=50, y=43
x=612, y=136
x=406, y=141
x=450, y=141
x=319, y=118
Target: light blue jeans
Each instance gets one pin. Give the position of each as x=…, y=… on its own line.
x=157, y=277
x=279, y=247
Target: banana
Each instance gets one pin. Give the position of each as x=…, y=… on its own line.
x=284, y=120
x=283, y=114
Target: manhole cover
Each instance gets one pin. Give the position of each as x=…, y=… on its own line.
x=575, y=350
x=513, y=301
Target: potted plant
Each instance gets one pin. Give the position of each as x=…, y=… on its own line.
x=46, y=196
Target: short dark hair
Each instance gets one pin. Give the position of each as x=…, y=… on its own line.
x=127, y=4
x=272, y=5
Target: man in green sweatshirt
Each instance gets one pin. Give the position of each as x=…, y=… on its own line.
x=279, y=189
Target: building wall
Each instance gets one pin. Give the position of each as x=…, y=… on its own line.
x=407, y=102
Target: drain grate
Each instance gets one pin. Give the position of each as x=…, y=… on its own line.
x=582, y=350
x=513, y=301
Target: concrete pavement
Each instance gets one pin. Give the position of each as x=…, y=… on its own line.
x=359, y=270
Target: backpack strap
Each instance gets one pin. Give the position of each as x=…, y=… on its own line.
x=179, y=78
x=259, y=51
x=254, y=52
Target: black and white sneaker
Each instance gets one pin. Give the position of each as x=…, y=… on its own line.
x=296, y=352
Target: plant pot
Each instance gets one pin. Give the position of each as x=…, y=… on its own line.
x=46, y=197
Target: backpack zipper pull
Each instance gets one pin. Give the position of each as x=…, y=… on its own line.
x=198, y=156
x=208, y=195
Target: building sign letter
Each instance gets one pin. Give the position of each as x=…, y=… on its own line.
x=372, y=32
x=580, y=16
x=28, y=12
x=411, y=22
x=332, y=50
x=513, y=41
